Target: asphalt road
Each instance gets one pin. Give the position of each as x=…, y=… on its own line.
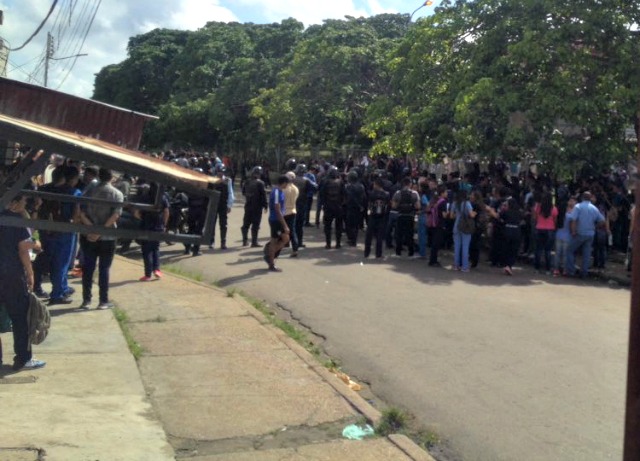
x=502, y=368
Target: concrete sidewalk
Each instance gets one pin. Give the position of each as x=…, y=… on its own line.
x=215, y=382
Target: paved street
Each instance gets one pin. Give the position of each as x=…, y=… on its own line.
x=521, y=368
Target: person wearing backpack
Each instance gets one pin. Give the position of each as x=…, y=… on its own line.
x=407, y=203
x=16, y=280
x=463, y=228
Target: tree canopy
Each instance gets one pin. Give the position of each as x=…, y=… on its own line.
x=552, y=79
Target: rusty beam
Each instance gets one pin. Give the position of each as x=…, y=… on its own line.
x=632, y=418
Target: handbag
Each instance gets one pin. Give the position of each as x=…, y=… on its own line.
x=466, y=224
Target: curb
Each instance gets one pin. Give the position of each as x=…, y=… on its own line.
x=402, y=442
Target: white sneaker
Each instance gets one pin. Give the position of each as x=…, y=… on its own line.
x=33, y=364
x=104, y=306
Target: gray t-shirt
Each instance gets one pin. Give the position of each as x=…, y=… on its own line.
x=100, y=214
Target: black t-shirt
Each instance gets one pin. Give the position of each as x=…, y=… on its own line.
x=10, y=238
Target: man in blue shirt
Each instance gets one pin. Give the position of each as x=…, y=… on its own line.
x=279, y=230
x=583, y=221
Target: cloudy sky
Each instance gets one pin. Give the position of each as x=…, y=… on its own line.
x=117, y=20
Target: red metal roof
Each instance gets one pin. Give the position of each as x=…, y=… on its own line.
x=70, y=113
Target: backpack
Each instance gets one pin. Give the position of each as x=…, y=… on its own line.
x=38, y=319
x=466, y=224
x=406, y=204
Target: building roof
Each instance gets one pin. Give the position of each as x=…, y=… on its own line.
x=72, y=113
x=94, y=151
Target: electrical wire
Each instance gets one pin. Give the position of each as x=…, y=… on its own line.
x=93, y=17
x=53, y=6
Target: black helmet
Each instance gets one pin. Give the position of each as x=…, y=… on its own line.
x=301, y=169
x=256, y=172
x=220, y=168
x=353, y=176
x=290, y=165
x=198, y=170
x=333, y=172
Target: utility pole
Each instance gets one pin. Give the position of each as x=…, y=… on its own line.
x=47, y=57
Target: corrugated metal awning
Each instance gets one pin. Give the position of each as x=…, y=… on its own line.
x=91, y=150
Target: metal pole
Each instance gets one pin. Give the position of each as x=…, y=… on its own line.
x=632, y=423
x=47, y=57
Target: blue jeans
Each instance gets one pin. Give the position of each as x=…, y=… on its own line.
x=150, y=256
x=59, y=250
x=102, y=250
x=422, y=236
x=461, y=250
x=579, y=242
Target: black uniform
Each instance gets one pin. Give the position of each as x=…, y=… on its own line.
x=221, y=215
x=195, y=220
x=355, y=204
x=377, y=224
x=303, y=186
x=255, y=202
x=333, y=196
x=406, y=208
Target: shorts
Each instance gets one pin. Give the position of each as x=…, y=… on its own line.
x=276, y=229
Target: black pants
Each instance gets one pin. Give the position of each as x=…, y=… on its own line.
x=291, y=221
x=377, y=227
x=15, y=297
x=497, y=254
x=332, y=214
x=252, y=218
x=353, y=221
x=512, y=239
x=101, y=253
x=221, y=217
x=195, y=221
x=300, y=222
x=437, y=239
x=404, y=234
x=474, y=248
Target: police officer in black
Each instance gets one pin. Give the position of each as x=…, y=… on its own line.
x=407, y=203
x=224, y=186
x=356, y=201
x=305, y=187
x=255, y=195
x=377, y=224
x=197, y=211
x=332, y=197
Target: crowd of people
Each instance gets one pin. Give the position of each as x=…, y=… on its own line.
x=394, y=204
x=404, y=209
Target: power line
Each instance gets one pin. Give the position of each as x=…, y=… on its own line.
x=53, y=6
x=95, y=12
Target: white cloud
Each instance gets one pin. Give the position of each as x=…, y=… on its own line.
x=118, y=20
x=193, y=14
x=308, y=12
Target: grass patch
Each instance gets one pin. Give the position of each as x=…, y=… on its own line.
x=292, y=332
x=124, y=322
x=393, y=421
x=426, y=439
x=231, y=292
x=176, y=270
